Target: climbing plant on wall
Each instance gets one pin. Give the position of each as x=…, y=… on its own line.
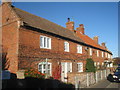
x=90, y=65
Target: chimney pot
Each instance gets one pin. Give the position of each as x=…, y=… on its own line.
x=70, y=25
x=68, y=19
x=81, y=25
x=103, y=44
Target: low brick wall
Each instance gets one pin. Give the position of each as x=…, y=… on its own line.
x=85, y=79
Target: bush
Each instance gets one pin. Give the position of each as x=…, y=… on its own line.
x=90, y=65
x=33, y=73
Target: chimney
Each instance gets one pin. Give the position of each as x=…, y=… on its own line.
x=81, y=29
x=7, y=1
x=70, y=25
x=95, y=39
x=103, y=45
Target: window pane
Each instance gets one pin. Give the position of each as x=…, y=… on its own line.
x=44, y=66
x=41, y=41
x=44, y=41
x=48, y=42
x=48, y=66
x=40, y=68
x=80, y=67
x=44, y=72
x=66, y=46
x=48, y=71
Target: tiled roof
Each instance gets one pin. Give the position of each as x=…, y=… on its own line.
x=48, y=26
x=90, y=41
x=43, y=24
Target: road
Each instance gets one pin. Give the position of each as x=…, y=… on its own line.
x=105, y=84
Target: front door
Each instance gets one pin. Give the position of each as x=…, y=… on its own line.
x=66, y=67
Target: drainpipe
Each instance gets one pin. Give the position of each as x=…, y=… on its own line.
x=46, y=68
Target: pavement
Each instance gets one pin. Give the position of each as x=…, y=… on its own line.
x=104, y=84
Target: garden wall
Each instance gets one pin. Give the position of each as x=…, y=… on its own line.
x=85, y=79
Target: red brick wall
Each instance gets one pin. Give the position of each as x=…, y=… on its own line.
x=23, y=46
x=30, y=53
x=10, y=36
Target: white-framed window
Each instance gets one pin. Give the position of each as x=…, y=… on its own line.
x=109, y=56
x=102, y=63
x=90, y=51
x=106, y=54
x=45, y=42
x=79, y=49
x=66, y=46
x=45, y=67
x=98, y=63
x=97, y=53
x=80, y=67
x=102, y=54
x=95, y=64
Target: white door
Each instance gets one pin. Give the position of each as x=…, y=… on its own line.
x=66, y=67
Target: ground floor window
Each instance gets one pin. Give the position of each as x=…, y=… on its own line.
x=80, y=67
x=45, y=67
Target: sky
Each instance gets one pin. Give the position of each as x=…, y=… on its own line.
x=99, y=18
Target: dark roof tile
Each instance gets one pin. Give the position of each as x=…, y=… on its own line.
x=45, y=25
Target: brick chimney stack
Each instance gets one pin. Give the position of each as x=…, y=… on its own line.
x=7, y=1
x=103, y=44
x=81, y=29
x=95, y=39
x=70, y=25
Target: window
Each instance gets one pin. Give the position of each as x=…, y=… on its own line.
x=79, y=49
x=102, y=54
x=90, y=51
x=98, y=63
x=44, y=67
x=97, y=53
x=45, y=42
x=102, y=63
x=95, y=64
x=80, y=67
x=109, y=56
x=106, y=54
x=66, y=46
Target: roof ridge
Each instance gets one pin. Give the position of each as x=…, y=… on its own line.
x=50, y=27
x=39, y=17
x=44, y=19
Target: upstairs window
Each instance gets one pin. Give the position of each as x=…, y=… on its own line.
x=45, y=42
x=66, y=46
x=97, y=53
x=102, y=54
x=106, y=54
x=95, y=64
x=79, y=49
x=90, y=51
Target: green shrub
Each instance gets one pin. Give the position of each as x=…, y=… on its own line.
x=90, y=65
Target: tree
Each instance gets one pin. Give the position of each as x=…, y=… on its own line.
x=90, y=65
x=116, y=60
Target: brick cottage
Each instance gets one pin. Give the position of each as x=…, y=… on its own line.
x=32, y=41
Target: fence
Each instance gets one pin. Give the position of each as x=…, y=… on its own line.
x=85, y=79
